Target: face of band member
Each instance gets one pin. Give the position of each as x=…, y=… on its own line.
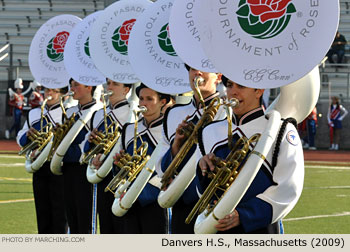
x=119, y=91
x=150, y=99
x=54, y=93
x=82, y=93
x=335, y=100
x=210, y=81
x=249, y=98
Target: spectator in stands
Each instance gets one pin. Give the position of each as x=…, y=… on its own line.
x=311, y=125
x=16, y=103
x=337, y=48
x=36, y=98
x=336, y=114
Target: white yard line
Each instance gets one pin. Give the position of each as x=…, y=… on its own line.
x=11, y=156
x=327, y=167
x=15, y=201
x=16, y=179
x=318, y=216
x=12, y=164
x=328, y=187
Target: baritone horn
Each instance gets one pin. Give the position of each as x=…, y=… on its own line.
x=224, y=174
x=130, y=166
x=41, y=141
x=104, y=140
x=61, y=129
x=191, y=134
x=175, y=182
x=131, y=192
x=66, y=135
x=105, y=143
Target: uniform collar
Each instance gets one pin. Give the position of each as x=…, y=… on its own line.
x=206, y=100
x=249, y=116
x=52, y=107
x=87, y=105
x=119, y=104
x=154, y=123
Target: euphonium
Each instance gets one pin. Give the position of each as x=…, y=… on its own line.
x=207, y=117
x=73, y=128
x=105, y=143
x=224, y=174
x=130, y=166
x=130, y=193
x=295, y=100
x=172, y=188
x=62, y=129
x=38, y=149
x=104, y=139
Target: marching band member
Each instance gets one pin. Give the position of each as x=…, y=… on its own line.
x=118, y=110
x=16, y=103
x=77, y=190
x=172, y=127
x=146, y=216
x=279, y=182
x=47, y=187
x=36, y=98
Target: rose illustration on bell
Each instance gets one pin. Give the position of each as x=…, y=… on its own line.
x=165, y=42
x=120, y=38
x=86, y=47
x=264, y=19
x=55, y=48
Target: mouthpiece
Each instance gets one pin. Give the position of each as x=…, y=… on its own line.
x=108, y=93
x=199, y=80
x=49, y=98
x=233, y=102
x=141, y=109
x=70, y=93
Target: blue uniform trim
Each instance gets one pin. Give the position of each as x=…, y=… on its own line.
x=149, y=194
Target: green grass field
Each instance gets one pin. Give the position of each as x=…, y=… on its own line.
x=324, y=207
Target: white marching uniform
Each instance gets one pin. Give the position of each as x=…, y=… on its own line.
x=172, y=118
x=275, y=190
x=78, y=191
x=145, y=216
x=120, y=113
x=47, y=187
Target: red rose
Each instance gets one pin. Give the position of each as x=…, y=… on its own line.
x=125, y=29
x=167, y=29
x=268, y=9
x=60, y=41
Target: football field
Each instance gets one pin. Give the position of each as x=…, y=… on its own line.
x=324, y=207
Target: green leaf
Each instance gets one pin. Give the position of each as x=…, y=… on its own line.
x=253, y=19
x=291, y=8
x=243, y=11
x=116, y=34
x=163, y=34
x=241, y=2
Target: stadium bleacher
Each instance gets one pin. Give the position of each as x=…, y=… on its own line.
x=20, y=19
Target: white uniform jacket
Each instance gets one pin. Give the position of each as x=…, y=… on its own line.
x=275, y=190
x=51, y=114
